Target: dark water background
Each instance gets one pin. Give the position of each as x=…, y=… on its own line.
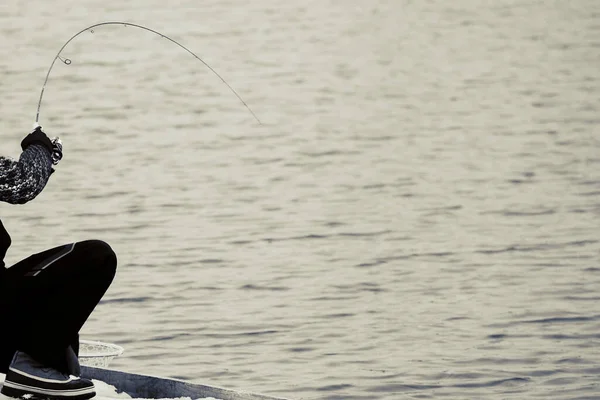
x=418, y=217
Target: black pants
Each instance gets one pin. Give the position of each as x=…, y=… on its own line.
x=46, y=298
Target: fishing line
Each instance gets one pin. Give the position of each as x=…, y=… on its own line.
x=67, y=61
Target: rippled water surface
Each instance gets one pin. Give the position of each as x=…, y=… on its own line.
x=417, y=217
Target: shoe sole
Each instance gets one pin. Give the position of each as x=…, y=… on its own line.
x=20, y=391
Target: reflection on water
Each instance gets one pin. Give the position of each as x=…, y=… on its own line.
x=417, y=217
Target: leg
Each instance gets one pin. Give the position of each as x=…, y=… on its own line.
x=53, y=294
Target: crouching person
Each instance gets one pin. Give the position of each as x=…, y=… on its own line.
x=46, y=298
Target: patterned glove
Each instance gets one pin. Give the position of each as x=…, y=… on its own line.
x=57, y=147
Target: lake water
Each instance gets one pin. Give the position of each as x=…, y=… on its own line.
x=417, y=217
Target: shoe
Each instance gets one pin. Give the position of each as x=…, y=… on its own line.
x=26, y=378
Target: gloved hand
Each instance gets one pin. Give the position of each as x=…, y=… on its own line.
x=37, y=136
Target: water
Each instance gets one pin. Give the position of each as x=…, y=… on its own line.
x=418, y=217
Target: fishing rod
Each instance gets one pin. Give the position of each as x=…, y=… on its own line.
x=90, y=28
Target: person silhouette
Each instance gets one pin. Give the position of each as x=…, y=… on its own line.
x=46, y=298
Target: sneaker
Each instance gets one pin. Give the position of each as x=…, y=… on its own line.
x=26, y=378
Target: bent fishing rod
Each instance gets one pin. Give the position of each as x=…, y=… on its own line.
x=90, y=28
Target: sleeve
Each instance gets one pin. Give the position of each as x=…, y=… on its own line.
x=23, y=180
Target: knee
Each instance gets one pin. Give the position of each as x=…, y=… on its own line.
x=102, y=256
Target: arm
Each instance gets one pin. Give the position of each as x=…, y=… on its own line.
x=23, y=180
